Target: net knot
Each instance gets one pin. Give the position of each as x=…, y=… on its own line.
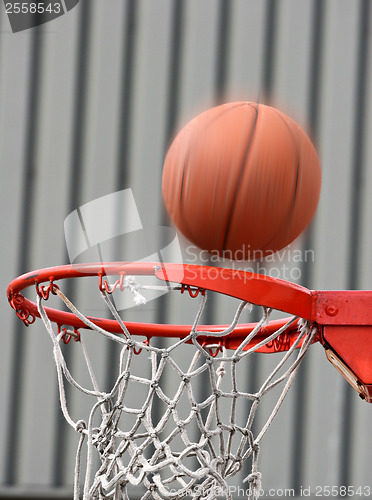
x=303, y=325
x=152, y=487
x=257, y=397
x=133, y=286
x=254, y=480
x=80, y=426
x=221, y=372
x=255, y=447
x=131, y=344
x=194, y=335
x=217, y=393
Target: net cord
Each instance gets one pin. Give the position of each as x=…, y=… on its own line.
x=215, y=471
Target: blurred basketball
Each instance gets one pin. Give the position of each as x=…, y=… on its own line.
x=241, y=179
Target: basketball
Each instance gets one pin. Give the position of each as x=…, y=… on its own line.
x=241, y=180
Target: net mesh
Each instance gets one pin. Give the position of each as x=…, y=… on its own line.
x=155, y=433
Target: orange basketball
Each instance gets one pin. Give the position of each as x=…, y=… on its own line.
x=241, y=179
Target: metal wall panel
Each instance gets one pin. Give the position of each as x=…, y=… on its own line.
x=88, y=106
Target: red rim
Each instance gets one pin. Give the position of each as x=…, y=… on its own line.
x=346, y=313
x=257, y=289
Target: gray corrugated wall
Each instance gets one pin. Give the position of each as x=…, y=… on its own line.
x=88, y=104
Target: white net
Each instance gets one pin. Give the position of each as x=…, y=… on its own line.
x=156, y=439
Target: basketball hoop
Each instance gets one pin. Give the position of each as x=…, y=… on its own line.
x=195, y=446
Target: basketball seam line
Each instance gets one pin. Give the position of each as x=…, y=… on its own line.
x=240, y=177
x=184, y=220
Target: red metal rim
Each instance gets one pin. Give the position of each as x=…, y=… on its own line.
x=250, y=287
x=341, y=317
